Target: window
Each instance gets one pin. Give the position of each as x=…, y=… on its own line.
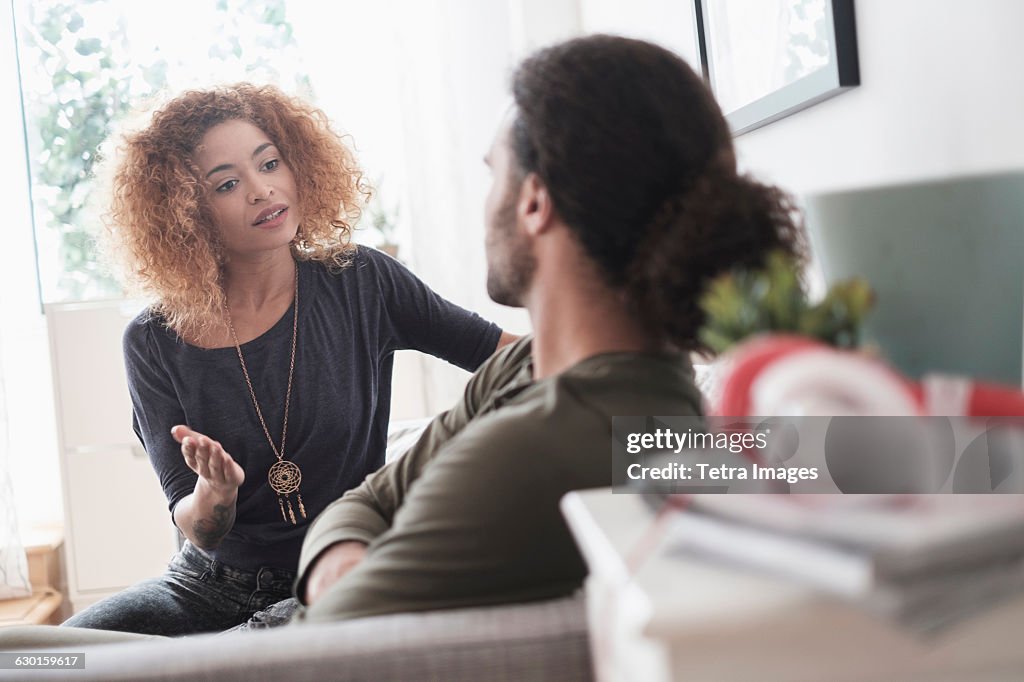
x=85, y=65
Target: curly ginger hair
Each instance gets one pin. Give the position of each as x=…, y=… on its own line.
x=159, y=222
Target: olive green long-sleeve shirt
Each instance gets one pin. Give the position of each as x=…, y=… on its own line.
x=469, y=516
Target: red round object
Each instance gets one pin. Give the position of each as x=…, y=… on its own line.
x=746, y=361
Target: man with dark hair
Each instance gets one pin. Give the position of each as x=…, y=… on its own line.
x=615, y=198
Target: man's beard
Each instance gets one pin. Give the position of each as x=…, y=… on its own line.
x=510, y=263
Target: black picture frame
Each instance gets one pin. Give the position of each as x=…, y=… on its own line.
x=839, y=73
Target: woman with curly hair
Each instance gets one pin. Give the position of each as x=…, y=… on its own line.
x=261, y=377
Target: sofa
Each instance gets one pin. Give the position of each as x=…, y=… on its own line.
x=521, y=642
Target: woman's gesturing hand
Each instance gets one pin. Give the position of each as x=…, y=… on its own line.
x=207, y=458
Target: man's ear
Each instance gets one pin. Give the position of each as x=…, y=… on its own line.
x=534, y=210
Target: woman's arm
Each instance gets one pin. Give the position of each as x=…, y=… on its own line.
x=208, y=513
x=421, y=319
x=198, y=477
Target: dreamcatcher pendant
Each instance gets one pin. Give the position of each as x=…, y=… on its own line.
x=284, y=478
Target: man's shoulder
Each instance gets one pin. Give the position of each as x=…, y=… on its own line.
x=501, y=369
x=578, y=406
x=515, y=354
x=533, y=443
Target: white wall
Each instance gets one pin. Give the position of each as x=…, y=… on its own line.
x=669, y=23
x=941, y=93
x=536, y=23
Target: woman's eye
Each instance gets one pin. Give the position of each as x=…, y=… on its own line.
x=271, y=165
x=227, y=186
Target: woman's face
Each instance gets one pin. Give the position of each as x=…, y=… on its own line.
x=250, y=190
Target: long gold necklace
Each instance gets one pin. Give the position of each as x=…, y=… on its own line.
x=284, y=477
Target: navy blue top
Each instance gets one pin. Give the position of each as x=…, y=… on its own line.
x=350, y=324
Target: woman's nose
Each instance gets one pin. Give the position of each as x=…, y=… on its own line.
x=261, y=194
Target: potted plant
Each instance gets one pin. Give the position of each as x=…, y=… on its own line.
x=781, y=354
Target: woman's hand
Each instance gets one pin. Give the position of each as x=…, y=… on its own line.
x=330, y=566
x=207, y=458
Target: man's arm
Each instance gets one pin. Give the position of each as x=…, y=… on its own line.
x=337, y=539
x=330, y=566
x=480, y=526
x=365, y=513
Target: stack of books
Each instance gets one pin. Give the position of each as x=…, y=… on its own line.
x=927, y=561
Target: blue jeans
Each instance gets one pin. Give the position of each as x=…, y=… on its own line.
x=196, y=594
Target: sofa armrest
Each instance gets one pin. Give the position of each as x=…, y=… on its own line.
x=402, y=435
x=524, y=642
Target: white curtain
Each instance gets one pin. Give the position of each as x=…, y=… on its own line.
x=13, y=562
x=421, y=85
x=16, y=271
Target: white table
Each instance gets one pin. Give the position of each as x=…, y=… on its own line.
x=656, y=617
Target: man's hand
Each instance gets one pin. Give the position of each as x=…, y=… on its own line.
x=207, y=458
x=330, y=566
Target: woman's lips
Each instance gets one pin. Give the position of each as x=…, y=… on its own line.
x=279, y=214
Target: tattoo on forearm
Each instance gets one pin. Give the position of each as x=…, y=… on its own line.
x=211, y=531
